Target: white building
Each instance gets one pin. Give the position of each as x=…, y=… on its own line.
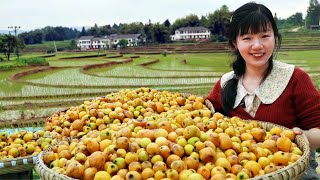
x=90, y=42
x=98, y=43
x=133, y=39
x=85, y=42
x=191, y=33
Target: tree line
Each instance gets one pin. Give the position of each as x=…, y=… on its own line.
x=312, y=17
x=217, y=22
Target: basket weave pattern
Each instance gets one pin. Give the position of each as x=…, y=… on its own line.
x=19, y=164
x=293, y=171
x=45, y=172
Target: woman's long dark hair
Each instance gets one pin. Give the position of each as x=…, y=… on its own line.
x=249, y=18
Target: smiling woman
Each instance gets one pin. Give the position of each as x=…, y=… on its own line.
x=254, y=89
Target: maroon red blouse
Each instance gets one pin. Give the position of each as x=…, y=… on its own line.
x=297, y=106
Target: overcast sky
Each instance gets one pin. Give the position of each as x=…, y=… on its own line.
x=31, y=14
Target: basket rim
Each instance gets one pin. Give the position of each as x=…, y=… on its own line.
x=18, y=164
x=305, y=157
x=40, y=164
x=10, y=162
x=19, y=158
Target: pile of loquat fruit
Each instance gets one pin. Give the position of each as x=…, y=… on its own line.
x=151, y=134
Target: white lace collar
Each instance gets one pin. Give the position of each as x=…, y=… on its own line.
x=270, y=89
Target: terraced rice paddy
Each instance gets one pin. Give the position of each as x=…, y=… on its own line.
x=37, y=95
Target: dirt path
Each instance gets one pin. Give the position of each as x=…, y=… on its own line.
x=295, y=29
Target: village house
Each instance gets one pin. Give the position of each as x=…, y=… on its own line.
x=85, y=42
x=191, y=33
x=91, y=42
x=133, y=39
x=98, y=43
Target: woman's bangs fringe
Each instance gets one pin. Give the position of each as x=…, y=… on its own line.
x=254, y=23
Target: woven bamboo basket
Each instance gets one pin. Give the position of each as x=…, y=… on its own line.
x=19, y=164
x=47, y=173
x=292, y=171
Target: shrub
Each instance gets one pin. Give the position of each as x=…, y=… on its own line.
x=51, y=50
x=11, y=66
x=60, y=49
x=32, y=61
x=218, y=38
x=164, y=53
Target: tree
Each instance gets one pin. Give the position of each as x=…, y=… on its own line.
x=191, y=20
x=276, y=18
x=132, y=28
x=37, y=36
x=73, y=45
x=219, y=21
x=106, y=30
x=160, y=33
x=167, y=23
x=94, y=31
x=313, y=13
x=8, y=43
x=204, y=21
x=295, y=19
x=123, y=43
x=147, y=29
x=48, y=34
x=83, y=32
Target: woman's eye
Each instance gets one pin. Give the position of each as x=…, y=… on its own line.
x=265, y=36
x=246, y=38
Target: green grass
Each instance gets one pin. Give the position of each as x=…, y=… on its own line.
x=312, y=57
x=76, y=63
x=143, y=72
x=49, y=44
x=72, y=77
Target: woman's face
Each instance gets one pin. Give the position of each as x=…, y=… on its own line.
x=256, y=49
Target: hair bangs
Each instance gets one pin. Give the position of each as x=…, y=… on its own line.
x=254, y=23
